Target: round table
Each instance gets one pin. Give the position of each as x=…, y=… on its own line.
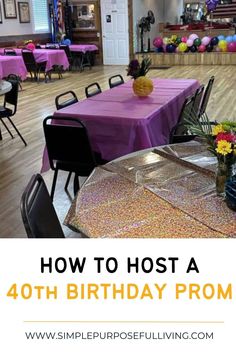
x=5, y=87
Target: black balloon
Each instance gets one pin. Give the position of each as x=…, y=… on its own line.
x=160, y=50
x=214, y=41
x=209, y=48
x=193, y=49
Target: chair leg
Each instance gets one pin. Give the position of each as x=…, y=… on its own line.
x=54, y=183
x=0, y=134
x=68, y=181
x=76, y=184
x=17, y=131
x=7, y=127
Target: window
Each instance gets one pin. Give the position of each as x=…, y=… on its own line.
x=40, y=15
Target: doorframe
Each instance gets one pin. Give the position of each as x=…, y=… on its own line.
x=130, y=29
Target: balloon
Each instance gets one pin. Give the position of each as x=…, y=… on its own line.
x=170, y=48
x=229, y=39
x=158, y=42
x=160, y=50
x=197, y=42
x=206, y=40
x=218, y=49
x=222, y=44
x=189, y=42
x=231, y=47
x=234, y=38
x=184, y=39
x=209, y=48
x=66, y=42
x=166, y=40
x=214, y=41
x=183, y=47
x=193, y=36
x=193, y=49
x=201, y=48
x=221, y=38
x=178, y=40
x=173, y=38
x=30, y=46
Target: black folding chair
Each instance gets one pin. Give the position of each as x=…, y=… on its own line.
x=115, y=80
x=9, y=108
x=180, y=132
x=9, y=51
x=198, y=99
x=69, y=55
x=93, y=90
x=33, y=67
x=71, y=99
x=38, y=213
x=68, y=148
x=206, y=96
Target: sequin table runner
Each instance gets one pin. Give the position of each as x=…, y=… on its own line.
x=149, y=195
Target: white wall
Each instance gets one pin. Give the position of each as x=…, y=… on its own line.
x=173, y=9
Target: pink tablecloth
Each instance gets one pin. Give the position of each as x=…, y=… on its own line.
x=51, y=56
x=119, y=122
x=12, y=65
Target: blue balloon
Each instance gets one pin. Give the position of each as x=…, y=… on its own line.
x=66, y=42
x=160, y=50
x=234, y=38
x=229, y=39
x=221, y=38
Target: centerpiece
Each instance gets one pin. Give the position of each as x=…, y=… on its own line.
x=142, y=85
x=221, y=140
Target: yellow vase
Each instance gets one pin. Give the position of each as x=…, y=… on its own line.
x=142, y=86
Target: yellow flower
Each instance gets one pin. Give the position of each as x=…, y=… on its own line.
x=224, y=147
x=218, y=129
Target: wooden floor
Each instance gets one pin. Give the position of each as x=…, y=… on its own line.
x=36, y=101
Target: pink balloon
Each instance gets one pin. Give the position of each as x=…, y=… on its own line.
x=201, y=48
x=184, y=39
x=158, y=42
x=30, y=46
x=189, y=42
x=206, y=40
x=193, y=36
x=232, y=47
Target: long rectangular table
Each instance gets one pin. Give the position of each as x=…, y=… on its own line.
x=12, y=65
x=120, y=122
x=51, y=56
x=164, y=192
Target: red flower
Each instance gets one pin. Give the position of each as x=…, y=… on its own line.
x=231, y=138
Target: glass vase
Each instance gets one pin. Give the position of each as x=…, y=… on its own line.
x=223, y=173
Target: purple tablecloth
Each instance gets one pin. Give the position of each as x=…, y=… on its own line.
x=12, y=65
x=119, y=122
x=51, y=56
x=83, y=48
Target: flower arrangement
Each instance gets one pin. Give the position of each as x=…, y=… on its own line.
x=135, y=69
x=221, y=140
x=142, y=85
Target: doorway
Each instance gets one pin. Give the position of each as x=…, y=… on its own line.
x=115, y=32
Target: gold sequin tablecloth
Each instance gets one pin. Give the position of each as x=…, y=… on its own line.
x=166, y=192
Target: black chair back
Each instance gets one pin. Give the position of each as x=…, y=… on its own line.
x=38, y=214
x=11, y=97
x=9, y=51
x=198, y=99
x=29, y=59
x=115, y=80
x=180, y=128
x=206, y=96
x=66, y=49
x=93, y=90
x=68, y=144
x=69, y=101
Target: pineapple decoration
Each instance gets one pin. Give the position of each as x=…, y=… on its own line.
x=142, y=85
